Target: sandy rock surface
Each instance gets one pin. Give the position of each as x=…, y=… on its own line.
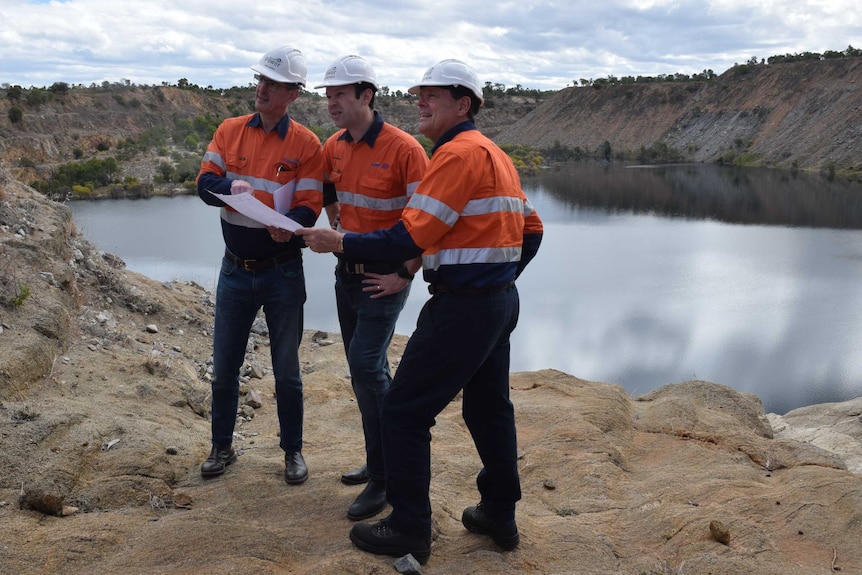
x=103, y=426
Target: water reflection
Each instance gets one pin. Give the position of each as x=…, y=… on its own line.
x=728, y=194
x=643, y=278
x=647, y=285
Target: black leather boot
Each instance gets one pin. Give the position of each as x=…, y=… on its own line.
x=370, y=502
x=355, y=476
x=218, y=460
x=295, y=470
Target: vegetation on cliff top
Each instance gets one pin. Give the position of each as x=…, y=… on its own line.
x=173, y=147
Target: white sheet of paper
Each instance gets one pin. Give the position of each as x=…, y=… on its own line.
x=250, y=206
x=283, y=197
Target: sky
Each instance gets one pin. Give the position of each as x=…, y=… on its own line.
x=539, y=45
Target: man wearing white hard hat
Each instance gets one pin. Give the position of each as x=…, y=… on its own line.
x=476, y=231
x=258, y=154
x=371, y=170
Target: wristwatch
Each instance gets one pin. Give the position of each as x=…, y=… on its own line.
x=403, y=272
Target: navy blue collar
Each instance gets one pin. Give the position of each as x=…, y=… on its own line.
x=452, y=132
x=281, y=126
x=370, y=135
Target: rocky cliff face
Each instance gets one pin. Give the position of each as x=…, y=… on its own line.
x=805, y=115
x=800, y=115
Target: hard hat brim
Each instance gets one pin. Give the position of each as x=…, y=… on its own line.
x=264, y=71
x=416, y=89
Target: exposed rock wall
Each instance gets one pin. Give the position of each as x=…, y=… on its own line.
x=803, y=114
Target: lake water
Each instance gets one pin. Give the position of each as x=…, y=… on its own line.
x=646, y=276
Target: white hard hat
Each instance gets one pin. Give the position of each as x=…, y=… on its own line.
x=349, y=70
x=283, y=64
x=450, y=73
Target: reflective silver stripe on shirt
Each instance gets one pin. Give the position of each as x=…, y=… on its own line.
x=411, y=187
x=376, y=204
x=476, y=207
x=492, y=205
x=460, y=256
x=304, y=184
x=434, y=207
x=215, y=158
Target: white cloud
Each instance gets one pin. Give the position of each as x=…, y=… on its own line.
x=544, y=45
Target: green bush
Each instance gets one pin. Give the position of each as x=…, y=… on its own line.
x=13, y=93
x=165, y=172
x=35, y=97
x=15, y=114
x=21, y=296
x=80, y=191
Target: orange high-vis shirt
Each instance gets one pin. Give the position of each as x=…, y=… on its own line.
x=470, y=208
x=238, y=151
x=373, y=182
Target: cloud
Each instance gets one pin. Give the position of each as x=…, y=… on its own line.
x=544, y=45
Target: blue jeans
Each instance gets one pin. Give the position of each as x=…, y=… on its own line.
x=239, y=295
x=367, y=326
x=461, y=342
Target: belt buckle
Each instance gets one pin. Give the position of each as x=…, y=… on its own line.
x=248, y=265
x=359, y=268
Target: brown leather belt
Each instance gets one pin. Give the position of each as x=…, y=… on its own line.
x=262, y=264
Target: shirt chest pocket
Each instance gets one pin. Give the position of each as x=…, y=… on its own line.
x=236, y=164
x=379, y=187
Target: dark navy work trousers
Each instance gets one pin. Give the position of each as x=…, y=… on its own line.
x=461, y=342
x=367, y=325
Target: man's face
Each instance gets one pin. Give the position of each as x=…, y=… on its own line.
x=272, y=98
x=439, y=111
x=345, y=109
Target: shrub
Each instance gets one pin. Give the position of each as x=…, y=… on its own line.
x=35, y=97
x=80, y=191
x=165, y=172
x=15, y=114
x=21, y=296
x=60, y=88
x=13, y=93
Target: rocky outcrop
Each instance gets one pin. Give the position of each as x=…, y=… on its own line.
x=104, y=431
x=803, y=115
x=798, y=115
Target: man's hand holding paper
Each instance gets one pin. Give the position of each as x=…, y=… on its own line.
x=247, y=204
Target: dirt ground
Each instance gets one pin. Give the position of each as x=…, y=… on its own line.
x=104, y=404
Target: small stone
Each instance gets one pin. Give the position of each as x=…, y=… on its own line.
x=152, y=328
x=171, y=450
x=254, y=399
x=256, y=371
x=719, y=532
x=407, y=565
x=182, y=500
x=549, y=484
x=318, y=336
x=38, y=500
